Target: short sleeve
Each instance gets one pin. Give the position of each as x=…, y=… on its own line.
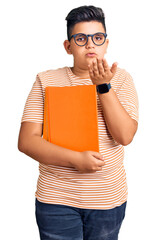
x=128, y=97
x=34, y=106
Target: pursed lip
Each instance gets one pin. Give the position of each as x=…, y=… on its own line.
x=90, y=54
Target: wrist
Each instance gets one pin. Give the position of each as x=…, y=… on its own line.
x=103, y=88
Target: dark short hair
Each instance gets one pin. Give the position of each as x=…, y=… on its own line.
x=84, y=14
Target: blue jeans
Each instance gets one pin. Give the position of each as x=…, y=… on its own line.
x=61, y=222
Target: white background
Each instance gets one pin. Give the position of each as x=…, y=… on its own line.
x=32, y=35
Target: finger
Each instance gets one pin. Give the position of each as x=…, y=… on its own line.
x=101, y=163
x=90, y=71
x=114, y=68
x=95, y=68
x=100, y=66
x=105, y=64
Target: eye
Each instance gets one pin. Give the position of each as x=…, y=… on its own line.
x=98, y=38
x=80, y=39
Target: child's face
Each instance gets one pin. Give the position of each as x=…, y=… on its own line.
x=81, y=60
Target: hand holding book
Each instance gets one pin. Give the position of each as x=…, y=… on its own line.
x=88, y=162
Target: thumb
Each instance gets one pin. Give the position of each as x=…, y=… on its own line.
x=114, y=68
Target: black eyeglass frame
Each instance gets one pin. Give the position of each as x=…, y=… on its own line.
x=89, y=35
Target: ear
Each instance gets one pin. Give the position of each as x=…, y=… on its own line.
x=67, y=46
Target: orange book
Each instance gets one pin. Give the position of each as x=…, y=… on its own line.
x=70, y=117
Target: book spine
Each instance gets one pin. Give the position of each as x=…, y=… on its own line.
x=46, y=117
x=96, y=115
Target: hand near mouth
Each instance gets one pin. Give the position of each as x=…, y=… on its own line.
x=100, y=72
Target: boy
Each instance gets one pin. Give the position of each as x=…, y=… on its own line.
x=83, y=195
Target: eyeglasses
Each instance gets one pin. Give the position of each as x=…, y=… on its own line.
x=81, y=39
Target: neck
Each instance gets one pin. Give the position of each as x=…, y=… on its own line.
x=82, y=73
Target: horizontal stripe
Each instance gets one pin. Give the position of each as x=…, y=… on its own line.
x=103, y=189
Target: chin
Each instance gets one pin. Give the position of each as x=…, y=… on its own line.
x=90, y=60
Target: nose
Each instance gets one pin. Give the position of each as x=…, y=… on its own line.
x=90, y=42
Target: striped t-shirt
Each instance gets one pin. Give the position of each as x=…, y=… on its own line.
x=104, y=189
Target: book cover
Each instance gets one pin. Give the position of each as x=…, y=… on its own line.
x=70, y=117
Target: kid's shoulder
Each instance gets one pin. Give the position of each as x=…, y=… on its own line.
x=50, y=72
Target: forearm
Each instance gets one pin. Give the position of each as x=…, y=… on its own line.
x=47, y=153
x=120, y=125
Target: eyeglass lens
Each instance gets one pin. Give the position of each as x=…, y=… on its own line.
x=98, y=39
